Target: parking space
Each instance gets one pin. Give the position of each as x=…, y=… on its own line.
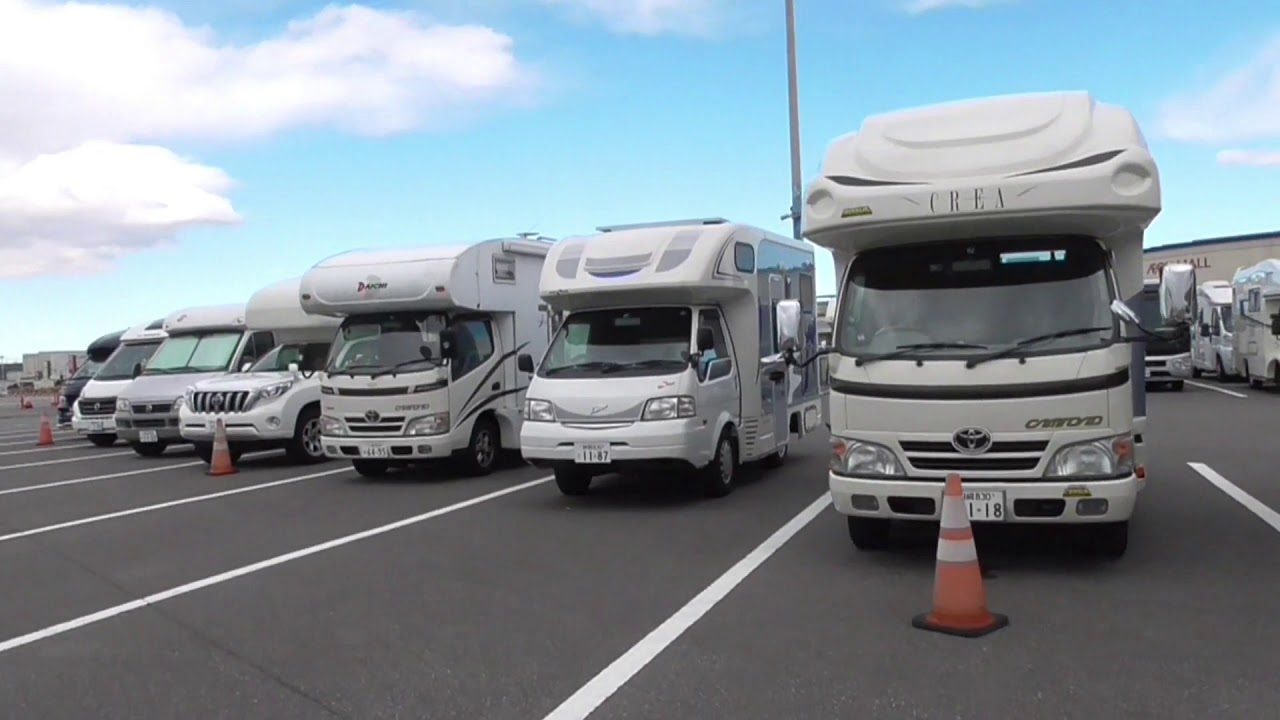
x=287, y=591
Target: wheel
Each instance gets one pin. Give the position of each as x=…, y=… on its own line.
x=481, y=455
x=1176, y=386
x=778, y=458
x=1110, y=540
x=1222, y=371
x=1196, y=372
x=204, y=451
x=305, y=446
x=869, y=533
x=103, y=440
x=572, y=481
x=371, y=468
x=155, y=449
x=719, y=474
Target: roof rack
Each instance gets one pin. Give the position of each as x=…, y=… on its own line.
x=664, y=223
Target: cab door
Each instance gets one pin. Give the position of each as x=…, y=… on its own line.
x=718, y=388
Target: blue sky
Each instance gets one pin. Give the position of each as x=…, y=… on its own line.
x=600, y=123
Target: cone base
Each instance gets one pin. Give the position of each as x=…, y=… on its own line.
x=926, y=621
x=227, y=471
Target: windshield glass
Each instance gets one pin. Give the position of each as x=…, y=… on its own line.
x=120, y=365
x=1149, y=310
x=988, y=293
x=365, y=345
x=310, y=357
x=87, y=370
x=200, y=352
x=632, y=341
x=1228, y=324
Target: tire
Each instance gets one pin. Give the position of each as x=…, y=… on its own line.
x=484, y=448
x=204, y=451
x=102, y=440
x=155, y=449
x=719, y=475
x=305, y=448
x=1176, y=386
x=1196, y=372
x=869, y=533
x=1222, y=371
x=371, y=468
x=778, y=458
x=1110, y=540
x=572, y=481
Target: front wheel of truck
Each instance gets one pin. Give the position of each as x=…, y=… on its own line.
x=869, y=533
x=572, y=481
x=1110, y=540
x=371, y=468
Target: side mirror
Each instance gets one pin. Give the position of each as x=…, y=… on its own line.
x=706, y=339
x=718, y=368
x=1275, y=325
x=1121, y=310
x=137, y=369
x=788, y=316
x=245, y=367
x=293, y=367
x=447, y=339
x=524, y=363
x=1177, y=294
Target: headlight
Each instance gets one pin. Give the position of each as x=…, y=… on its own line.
x=1107, y=457
x=539, y=411
x=189, y=395
x=669, y=408
x=437, y=424
x=858, y=457
x=122, y=405
x=331, y=426
x=274, y=391
x=177, y=402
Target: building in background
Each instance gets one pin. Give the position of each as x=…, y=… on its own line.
x=1214, y=258
x=47, y=368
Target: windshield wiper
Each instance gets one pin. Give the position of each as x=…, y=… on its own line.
x=358, y=366
x=168, y=371
x=392, y=370
x=602, y=365
x=904, y=350
x=638, y=364
x=1022, y=344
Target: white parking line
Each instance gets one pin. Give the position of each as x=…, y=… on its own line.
x=82, y=458
x=191, y=587
x=1215, y=388
x=95, y=478
x=46, y=448
x=590, y=696
x=31, y=440
x=1251, y=503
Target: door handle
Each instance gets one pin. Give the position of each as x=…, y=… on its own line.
x=496, y=386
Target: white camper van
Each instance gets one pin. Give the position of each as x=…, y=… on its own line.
x=984, y=248
x=676, y=351
x=94, y=413
x=202, y=342
x=1212, y=347
x=276, y=403
x=1257, y=330
x=423, y=365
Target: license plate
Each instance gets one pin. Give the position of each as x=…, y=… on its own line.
x=375, y=451
x=95, y=426
x=148, y=436
x=985, y=505
x=592, y=453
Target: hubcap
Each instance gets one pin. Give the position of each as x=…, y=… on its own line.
x=484, y=448
x=726, y=462
x=311, y=438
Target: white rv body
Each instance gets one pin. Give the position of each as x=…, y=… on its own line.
x=1256, y=291
x=986, y=222
x=1212, y=347
x=93, y=414
x=384, y=402
x=625, y=385
x=276, y=403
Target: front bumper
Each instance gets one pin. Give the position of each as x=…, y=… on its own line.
x=93, y=424
x=253, y=426
x=1024, y=501
x=388, y=447
x=135, y=428
x=686, y=442
x=1168, y=367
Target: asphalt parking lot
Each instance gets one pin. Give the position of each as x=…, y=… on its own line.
x=145, y=588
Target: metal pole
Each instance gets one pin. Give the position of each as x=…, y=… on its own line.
x=793, y=99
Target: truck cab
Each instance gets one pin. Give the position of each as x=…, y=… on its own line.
x=1212, y=347
x=1168, y=360
x=93, y=413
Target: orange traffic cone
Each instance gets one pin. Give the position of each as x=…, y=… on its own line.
x=959, y=599
x=46, y=430
x=220, y=463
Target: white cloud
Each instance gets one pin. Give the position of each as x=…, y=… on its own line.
x=919, y=7
x=1244, y=105
x=1256, y=158
x=81, y=84
x=652, y=17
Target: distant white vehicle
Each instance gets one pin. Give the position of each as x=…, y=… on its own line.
x=93, y=414
x=1256, y=290
x=423, y=365
x=677, y=351
x=276, y=402
x=1212, y=347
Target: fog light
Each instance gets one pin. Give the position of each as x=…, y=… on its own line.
x=424, y=449
x=273, y=422
x=331, y=449
x=1091, y=507
x=865, y=503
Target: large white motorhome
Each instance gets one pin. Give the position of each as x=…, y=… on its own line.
x=677, y=350
x=276, y=403
x=93, y=414
x=1212, y=347
x=423, y=365
x=202, y=342
x=1257, y=329
x=985, y=248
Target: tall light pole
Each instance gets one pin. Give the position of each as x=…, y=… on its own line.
x=793, y=99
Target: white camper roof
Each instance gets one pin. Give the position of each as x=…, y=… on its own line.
x=1265, y=274
x=277, y=307
x=205, y=319
x=686, y=261
x=143, y=333
x=444, y=277
x=1217, y=292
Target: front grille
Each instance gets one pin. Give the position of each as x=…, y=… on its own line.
x=384, y=425
x=1003, y=455
x=151, y=408
x=97, y=407
x=1000, y=446
x=229, y=401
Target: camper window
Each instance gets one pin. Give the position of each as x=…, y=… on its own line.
x=87, y=370
x=744, y=257
x=719, y=348
x=473, y=346
x=1227, y=322
x=309, y=356
x=368, y=344
x=504, y=269
x=204, y=352
x=120, y=365
x=623, y=342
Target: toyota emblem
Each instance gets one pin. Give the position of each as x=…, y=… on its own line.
x=971, y=441
x=372, y=416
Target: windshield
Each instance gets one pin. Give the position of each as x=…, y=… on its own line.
x=980, y=295
x=1149, y=310
x=365, y=345
x=120, y=365
x=200, y=352
x=632, y=341
x=1228, y=324
x=87, y=370
x=310, y=357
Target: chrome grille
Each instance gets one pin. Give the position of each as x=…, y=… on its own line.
x=217, y=402
x=378, y=425
x=1006, y=455
x=97, y=407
